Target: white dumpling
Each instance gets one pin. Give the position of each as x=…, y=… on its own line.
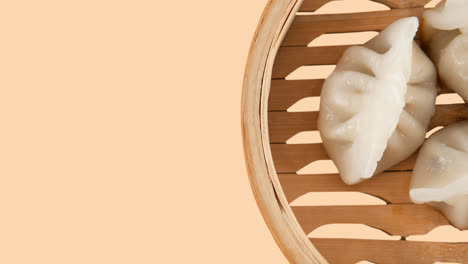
x=445, y=35
x=414, y=120
x=440, y=175
x=363, y=98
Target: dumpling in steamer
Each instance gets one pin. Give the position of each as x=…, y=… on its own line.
x=363, y=98
x=414, y=121
x=440, y=175
x=445, y=36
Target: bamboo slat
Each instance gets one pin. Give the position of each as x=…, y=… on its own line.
x=289, y=59
x=289, y=158
x=389, y=186
x=345, y=251
x=313, y=5
x=395, y=219
x=285, y=93
x=304, y=29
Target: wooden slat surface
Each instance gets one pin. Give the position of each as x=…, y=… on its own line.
x=313, y=5
x=390, y=186
x=289, y=59
x=394, y=219
x=448, y=114
x=291, y=158
x=401, y=3
x=283, y=125
x=346, y=251
x=285, y=93
x=304, y=29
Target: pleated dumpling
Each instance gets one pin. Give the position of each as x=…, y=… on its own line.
x=440, y=175
x=363, y=98
x=445, y=36
x=414, y=121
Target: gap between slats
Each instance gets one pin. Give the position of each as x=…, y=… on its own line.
x=351, y=231
x=348, y=6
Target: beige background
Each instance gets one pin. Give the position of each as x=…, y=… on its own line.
x=120, y=136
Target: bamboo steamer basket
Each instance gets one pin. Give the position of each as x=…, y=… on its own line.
x=280, y=46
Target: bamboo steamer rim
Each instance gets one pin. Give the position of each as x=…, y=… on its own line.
x=275, y=21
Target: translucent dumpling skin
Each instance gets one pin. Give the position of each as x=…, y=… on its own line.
x=445, y=36
x=440, y=175
x=362, y=100
x=414, y=120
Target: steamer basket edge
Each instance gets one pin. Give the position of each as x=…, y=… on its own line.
x=275, y=21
